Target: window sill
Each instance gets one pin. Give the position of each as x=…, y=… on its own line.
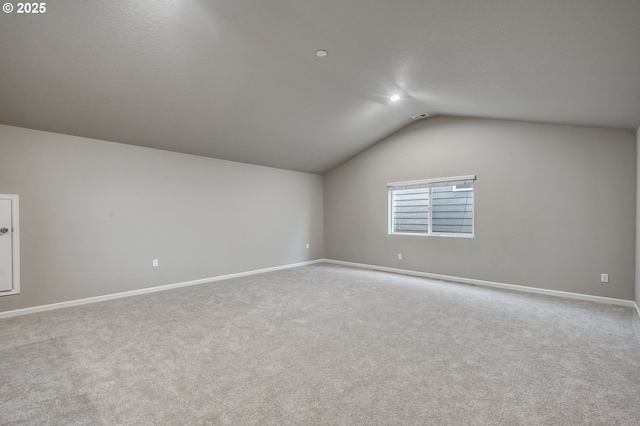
x=433, y=235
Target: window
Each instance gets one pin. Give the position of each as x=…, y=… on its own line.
x=442, y=207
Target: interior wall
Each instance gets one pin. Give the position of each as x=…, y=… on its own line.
x=94, y=214
x=555, y=205
x=637, y=289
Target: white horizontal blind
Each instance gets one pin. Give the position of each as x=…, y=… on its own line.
x=426, y=183
x=432, y=207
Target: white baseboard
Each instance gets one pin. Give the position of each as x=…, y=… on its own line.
x=565, y=294
x=43, y=308
x=514, y=287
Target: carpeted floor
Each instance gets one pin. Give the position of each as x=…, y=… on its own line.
x=324, y=344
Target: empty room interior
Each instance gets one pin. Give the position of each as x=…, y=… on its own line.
x=320, y=212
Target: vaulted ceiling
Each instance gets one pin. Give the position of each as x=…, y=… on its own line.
x=240, y=79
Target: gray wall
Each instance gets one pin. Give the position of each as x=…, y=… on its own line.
x=555, y=205
x=637, y=292
x=94, y=214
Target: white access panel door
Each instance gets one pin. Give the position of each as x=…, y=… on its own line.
x=9, y=264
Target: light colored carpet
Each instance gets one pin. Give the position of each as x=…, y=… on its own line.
x=324, y=344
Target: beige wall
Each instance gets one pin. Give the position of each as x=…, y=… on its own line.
x=94, y=214
x=555, y=205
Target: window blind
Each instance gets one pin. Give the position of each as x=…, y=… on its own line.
x=442, y=206
x=428, y=183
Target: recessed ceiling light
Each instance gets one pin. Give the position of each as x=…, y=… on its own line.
x=419, y=116
x=394, y=98
x=321, y=53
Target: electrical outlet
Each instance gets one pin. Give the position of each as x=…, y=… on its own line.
x=604, y=278
x=155, y=262
x=399, y=256
x=307, y=245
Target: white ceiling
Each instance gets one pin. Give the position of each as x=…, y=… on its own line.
x=239, y=79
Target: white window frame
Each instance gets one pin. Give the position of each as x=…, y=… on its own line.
x=424, y=183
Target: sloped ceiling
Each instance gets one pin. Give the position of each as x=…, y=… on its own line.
x=240, y=80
